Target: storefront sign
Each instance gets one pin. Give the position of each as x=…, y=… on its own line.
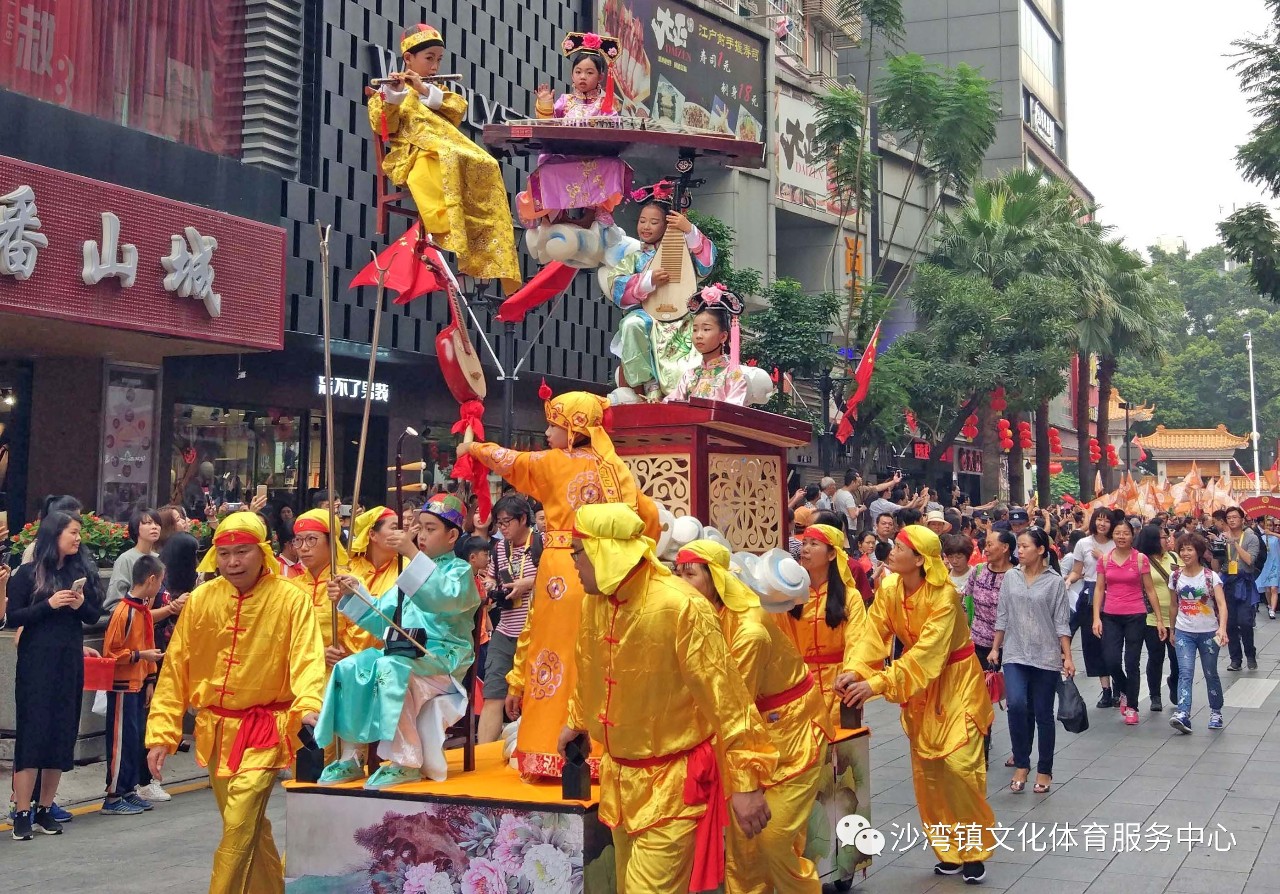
x=968, y=461
x=90, y=252
x=802, y=456
x=920, y=450
x=356, y=388
x=1042, y=122
x=686, y=67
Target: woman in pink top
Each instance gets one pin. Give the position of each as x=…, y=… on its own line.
x=1120, y=606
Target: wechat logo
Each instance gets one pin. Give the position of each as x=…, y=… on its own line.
x=855, y=830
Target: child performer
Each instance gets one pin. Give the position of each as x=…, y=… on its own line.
x=654, y=354
x=715, y=313
x=580, y=468
x=406, y=694
x=456, y=185
x=564, y=184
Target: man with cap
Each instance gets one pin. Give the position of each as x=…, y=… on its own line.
x=946, y=709
x=311, y=533
x=407, y=693
x=1019, y=520
x=794, y=715
x=656, y=687
x=247, y=655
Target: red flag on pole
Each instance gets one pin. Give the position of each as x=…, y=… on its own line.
x=862, y=375
x=406, y=273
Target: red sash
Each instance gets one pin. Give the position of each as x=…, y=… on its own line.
x=767, y=703
x=702, y=785
x=961, y=653
x=257, y=728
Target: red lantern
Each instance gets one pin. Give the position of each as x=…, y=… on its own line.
x=1002, y=425
x=972, y=420
x=1055, y=468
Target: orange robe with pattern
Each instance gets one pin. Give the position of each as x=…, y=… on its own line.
x=544, y=671
x=822, y=646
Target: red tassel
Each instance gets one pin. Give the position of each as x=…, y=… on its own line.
x=544, y=390
x=606, y=107
x=468, y=468
x=386, y=135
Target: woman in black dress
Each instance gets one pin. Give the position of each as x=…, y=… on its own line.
x=44, y=602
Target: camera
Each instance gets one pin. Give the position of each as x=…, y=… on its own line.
x=1218, y=549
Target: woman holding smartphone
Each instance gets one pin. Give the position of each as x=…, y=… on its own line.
x=50, y=598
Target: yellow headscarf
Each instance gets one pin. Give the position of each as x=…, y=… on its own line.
x=736, y=595
x=583, y=413
x=834, y=538
x=612, y=535
x=317, y=521
x=240, y=528
x=926, y=544
x=362, y=527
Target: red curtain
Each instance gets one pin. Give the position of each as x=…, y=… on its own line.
x=170, y=67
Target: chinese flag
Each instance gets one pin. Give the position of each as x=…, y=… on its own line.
x=550, y=281
x=406, y=273
x=862, y=375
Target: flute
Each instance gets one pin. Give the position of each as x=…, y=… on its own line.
x=401, y=77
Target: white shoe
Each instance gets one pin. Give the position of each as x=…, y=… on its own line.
x=153, y=792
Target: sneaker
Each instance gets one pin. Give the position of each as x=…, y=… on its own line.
x=45, y=822
x=1122, y=703
x=1271, y=613
x=1156, y=705
x=22, y=825
x=119, y=807
x=341, y=771
x=1215, y=720
x=1130, y=716
x=390, y=774
x=1105, y=700
x=1233, y=666
x=1253, y=664
x=136, y=801
x=1181, y=722
x=947, y=868
x=974, y=873
x=59, y=813
x=153, y=793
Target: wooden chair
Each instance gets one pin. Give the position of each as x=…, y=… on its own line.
x=464, y=731
x=387, y=201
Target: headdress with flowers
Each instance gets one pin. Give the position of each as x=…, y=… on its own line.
x=662, y=191
x=717, y=297
x=602, y=45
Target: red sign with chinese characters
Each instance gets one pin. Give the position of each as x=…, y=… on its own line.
x=85, y=251
x=920, y=450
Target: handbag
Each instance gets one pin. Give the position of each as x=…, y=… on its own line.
x=99, y=674
x=995, y=686
x=1072, y=712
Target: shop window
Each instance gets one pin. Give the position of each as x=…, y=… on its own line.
x=174, y=68
x=240, y=448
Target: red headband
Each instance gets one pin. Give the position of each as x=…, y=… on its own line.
x=310, y=524
x=386, y=513
x=816, y=534
x=689, y=557
x=236, y=538
x=905, y=539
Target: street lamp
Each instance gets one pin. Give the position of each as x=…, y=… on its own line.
x=1128, y=438
x=1253, y=414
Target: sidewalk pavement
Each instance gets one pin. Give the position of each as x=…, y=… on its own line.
x=1148, y=775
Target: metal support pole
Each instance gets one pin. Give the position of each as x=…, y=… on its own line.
x=1253, y=414
x=873, y=229
x=508, y=382
x=824, y=436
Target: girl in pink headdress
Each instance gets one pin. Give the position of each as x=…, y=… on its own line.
x=715, y=313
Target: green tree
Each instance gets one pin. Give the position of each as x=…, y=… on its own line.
x=792, y=335
x=742, y=282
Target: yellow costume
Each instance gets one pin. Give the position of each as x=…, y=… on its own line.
x=946, y=709
x=350, y=636
x=821, y=645
x=655, y=685
x=252, y=665
x=377, y=579
x=796, y=720
x=544, y=671
x=456, y=184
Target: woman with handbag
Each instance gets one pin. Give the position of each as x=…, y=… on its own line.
x=1033, y=636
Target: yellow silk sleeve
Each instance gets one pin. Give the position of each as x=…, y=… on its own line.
x=722, y=698
x=749, y=650
x=453, y=109
x=923, y=662
x=378, y=107
x=306, y=661
x=172, y=694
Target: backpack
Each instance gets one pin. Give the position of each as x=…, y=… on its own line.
x=1261, y=558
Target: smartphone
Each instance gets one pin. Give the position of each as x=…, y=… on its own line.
x=4, y=518
x=262, y=491
x=78, y=586
x=234, y=507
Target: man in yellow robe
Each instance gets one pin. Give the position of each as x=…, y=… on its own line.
x=580, y=468
x=247, y=655
x=457, y=186
x=946, y=710
x=655, y=686
x=311, y=532
x=794, y=715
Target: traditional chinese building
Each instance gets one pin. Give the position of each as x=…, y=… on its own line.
x=1213, y=451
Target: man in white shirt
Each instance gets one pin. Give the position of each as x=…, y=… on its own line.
x=828, y=487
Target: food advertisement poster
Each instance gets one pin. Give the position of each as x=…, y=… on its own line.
x=682, y=66
x=129, y=430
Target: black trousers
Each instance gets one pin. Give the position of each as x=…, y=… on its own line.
x=1156, y=651
x=1122, y=637
x=984, y=658
x=1241, y=617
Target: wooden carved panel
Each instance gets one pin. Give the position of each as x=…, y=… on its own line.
x=744, y=492
x=665, y=478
